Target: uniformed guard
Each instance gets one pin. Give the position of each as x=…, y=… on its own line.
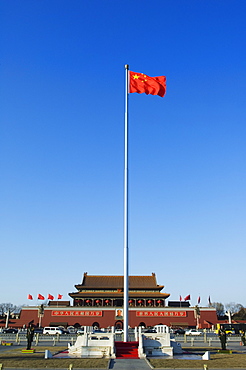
x=222, y=336
x=30, y=335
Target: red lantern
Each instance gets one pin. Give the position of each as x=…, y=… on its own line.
x=98, y=301
x=158, y=301
x=140, y=301
x=87, y=301
x=107, y=301
x=130, y=301
x=149, y=301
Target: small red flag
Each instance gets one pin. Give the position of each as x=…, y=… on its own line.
x=59, y=296
x=209, y=301
x=141, y=83
x=50, y=297
x=180, y=298
x=29, y=296
x=187, y=298
x=199, y=300
x=40, y=297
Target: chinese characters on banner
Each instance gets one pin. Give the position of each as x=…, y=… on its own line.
x=138, y=313
x=76, y=313
x=161, y=313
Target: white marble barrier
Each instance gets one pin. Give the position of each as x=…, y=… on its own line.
x=158, y=344
x=93, y=345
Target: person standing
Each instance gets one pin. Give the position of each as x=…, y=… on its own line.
x=222, y=336
x=30, y=335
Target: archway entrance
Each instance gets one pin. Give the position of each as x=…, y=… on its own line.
x=118, y=324
x=142, y=324
x=96, y=325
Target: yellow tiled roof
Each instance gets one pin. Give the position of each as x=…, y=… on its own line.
x=117, y=282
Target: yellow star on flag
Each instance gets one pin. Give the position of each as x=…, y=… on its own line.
x=141, y=83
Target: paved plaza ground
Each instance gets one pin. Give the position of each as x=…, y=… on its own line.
x=196, y=346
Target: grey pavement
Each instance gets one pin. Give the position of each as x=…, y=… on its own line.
x=132, y=364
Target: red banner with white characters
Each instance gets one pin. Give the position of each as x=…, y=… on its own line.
x=76, y=313
x=161, y=313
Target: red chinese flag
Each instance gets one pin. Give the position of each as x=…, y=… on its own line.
x=180, y=298
x=59, y=296
x=50, y=297
x=187, y=298
x=141, y=83
x=29, y=296
x=199, y=300
x=40, y=297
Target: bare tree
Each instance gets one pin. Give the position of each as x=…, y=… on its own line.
x=233, y=307
x=9, y=307
x=219, y=308
x=240, y=315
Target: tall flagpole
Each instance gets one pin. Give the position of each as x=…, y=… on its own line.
x=126, y=283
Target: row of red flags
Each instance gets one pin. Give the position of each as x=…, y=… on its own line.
x=59, y=296
x=40, y=296
x=187, y=298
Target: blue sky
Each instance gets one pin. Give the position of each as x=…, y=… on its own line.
x=62, y=146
